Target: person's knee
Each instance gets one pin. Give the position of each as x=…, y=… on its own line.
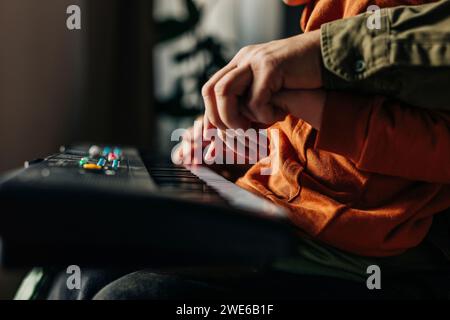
x=152, y=286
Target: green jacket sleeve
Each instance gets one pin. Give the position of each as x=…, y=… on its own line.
x=405, y=56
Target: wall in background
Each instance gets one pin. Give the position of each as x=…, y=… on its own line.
x=40, y=79
x=118, y=107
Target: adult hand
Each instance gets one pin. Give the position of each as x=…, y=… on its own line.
x=241, y=93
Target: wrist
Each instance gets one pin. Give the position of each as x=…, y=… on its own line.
x=315, y=57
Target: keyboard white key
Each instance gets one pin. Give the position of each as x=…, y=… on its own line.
x=235, y=195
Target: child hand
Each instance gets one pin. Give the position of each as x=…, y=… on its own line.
x=220, y=147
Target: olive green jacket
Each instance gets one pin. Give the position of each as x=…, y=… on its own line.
x=406, y=56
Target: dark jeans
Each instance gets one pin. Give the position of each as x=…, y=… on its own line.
x=188, y=285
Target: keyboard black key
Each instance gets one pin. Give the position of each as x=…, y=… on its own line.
x=193, y=180
x=181, y=187
x=172, y=175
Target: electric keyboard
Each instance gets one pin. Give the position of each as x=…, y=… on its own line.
x=103, y=205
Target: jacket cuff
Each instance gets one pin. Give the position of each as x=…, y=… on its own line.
x=352, y=52
x=345, y=122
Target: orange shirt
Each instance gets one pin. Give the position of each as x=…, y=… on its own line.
x=371, y=179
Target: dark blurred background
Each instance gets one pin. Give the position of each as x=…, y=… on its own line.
x=131, y=75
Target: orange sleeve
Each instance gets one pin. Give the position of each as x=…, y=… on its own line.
x=385, y=136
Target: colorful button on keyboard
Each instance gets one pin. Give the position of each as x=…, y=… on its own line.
x=101, y=162
x=116, y=164
x=84, y=161
x=112, y=157
x=93, y=167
